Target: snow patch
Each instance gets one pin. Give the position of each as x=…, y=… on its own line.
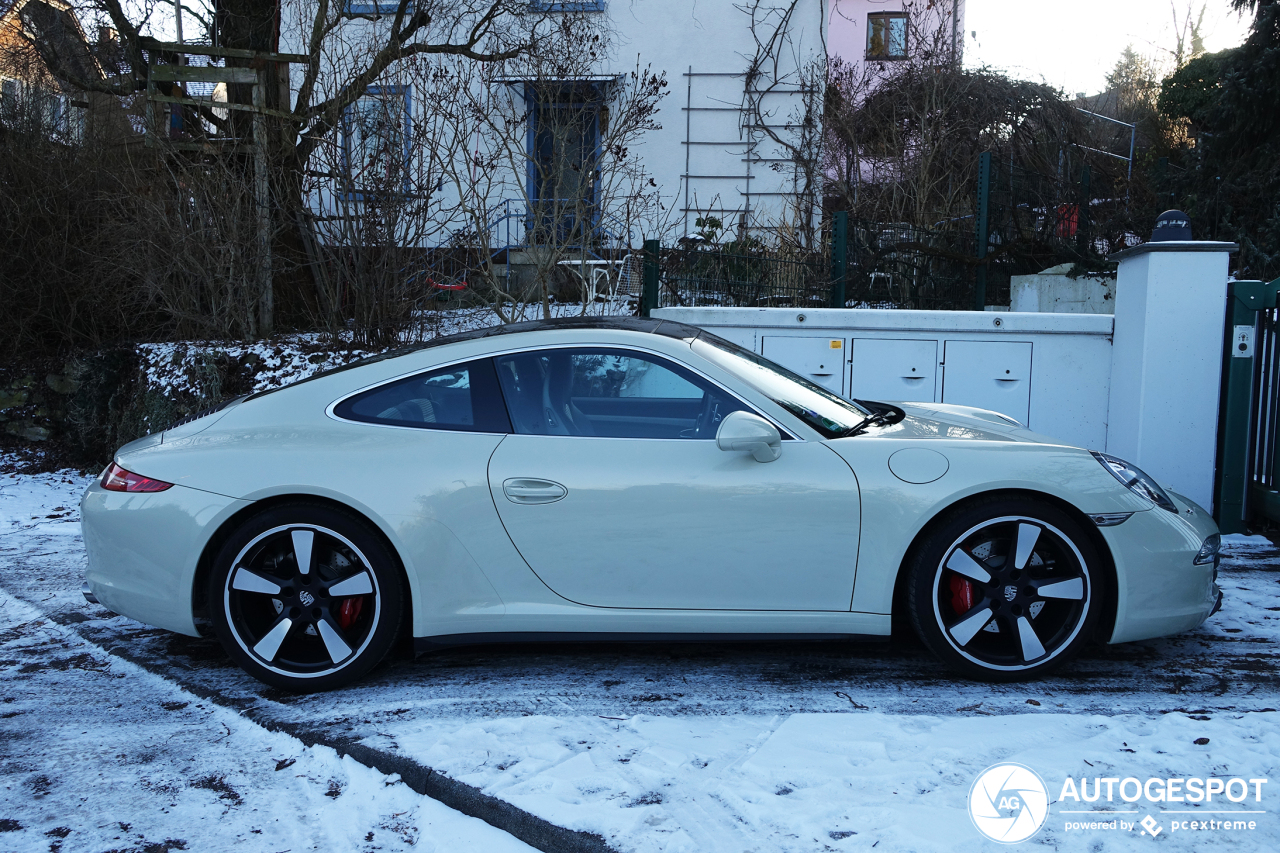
x=184, y=368
x=131, y=761
x=1241, y=540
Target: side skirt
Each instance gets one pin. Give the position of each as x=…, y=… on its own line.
x=423, y=645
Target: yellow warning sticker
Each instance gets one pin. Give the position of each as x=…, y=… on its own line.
x=837, y=344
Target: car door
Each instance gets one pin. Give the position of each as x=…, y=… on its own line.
x=614, y=491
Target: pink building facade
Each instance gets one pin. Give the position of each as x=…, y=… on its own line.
x=862, y=31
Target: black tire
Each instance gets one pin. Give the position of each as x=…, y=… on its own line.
x=295, y=629
x=991, y=618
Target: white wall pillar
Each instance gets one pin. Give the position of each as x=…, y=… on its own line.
x=1166, y=362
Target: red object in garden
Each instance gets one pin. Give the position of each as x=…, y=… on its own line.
x=1068, y=220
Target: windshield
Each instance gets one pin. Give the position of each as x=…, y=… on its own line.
x=830, y=414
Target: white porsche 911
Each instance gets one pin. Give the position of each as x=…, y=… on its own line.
x=609, y=478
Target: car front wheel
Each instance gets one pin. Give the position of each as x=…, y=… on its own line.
x=1005, y=590
x=305, y=597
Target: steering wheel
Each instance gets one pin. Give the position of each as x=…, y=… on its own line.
x=703, y=425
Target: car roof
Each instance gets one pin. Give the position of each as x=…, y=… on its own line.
x=667, y=328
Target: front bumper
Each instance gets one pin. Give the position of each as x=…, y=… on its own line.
x=144, y=548
x=1160, y=591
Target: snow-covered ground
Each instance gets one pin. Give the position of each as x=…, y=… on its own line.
x=656, y=747
x=846, y=781
x=100, y=754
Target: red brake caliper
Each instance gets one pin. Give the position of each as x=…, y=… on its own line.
x=961, y=595
x=349, y=611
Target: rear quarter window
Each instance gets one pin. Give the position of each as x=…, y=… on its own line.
x=462, y=397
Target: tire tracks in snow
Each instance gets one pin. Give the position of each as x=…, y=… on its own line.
x=99, y=753
x=466, y=799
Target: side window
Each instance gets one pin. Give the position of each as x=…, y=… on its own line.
x=461, y=397
x=610, y=393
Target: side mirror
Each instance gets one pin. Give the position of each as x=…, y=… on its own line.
x=744, y=431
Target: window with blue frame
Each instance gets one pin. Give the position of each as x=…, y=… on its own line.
x=567, y=5
x=376, y=8
x=563, y=153
x=375, y=141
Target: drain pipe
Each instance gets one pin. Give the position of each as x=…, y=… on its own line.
x=955, y=31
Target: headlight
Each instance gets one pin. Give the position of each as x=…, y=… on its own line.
x=1135, y=480
x=1209, y=551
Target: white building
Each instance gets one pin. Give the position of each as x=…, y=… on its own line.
x=737, y=75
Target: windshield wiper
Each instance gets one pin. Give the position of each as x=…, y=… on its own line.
x=881, y=413
x=877, y=418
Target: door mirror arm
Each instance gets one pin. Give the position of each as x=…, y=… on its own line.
x=743, y=431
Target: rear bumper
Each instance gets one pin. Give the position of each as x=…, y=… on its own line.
x=143, y=550
x=1160, y=591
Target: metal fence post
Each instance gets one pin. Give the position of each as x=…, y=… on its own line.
x=839, y=259
x=649, y=297
x=984, y=212
x=1231, y=478
x=1082, y=215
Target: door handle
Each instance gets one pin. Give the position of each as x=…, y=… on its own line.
x=527, y=490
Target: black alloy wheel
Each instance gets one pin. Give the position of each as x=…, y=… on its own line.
x=306, y=597
x=1005, y=590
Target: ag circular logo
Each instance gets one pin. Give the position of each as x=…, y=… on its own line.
x=1008, y=803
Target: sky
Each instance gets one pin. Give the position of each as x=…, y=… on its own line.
x=1073, y=45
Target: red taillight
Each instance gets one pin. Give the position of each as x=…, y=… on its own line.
x=116, y=479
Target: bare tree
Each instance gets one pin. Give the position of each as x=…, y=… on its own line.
x=340, y=58
x=902, y=139
x=551, y=186
x=107, y=242
x=781, y=67
x=431, y=195
x=1188, y=33
x=903, y=148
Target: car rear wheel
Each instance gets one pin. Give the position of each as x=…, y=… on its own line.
x=1005, y=590
x=305, y=597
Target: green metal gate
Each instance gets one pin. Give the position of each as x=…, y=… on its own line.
x=1247, y=481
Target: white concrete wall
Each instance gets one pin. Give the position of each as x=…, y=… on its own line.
x=1170, y=318
x=1049, y=371
x=1053, y=292
x=1142, y=384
